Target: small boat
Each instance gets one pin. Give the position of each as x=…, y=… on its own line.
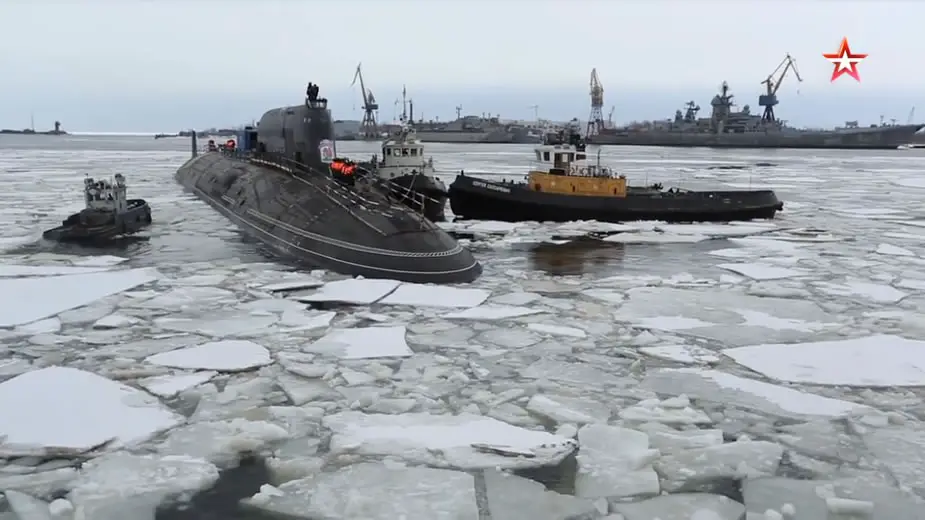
x=108, y=214
x=565, y=188
x=407, y=175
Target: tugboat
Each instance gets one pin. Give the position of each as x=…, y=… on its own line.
x=567, y=188
x=407, y=175
x=108, y=214
x=282, y=183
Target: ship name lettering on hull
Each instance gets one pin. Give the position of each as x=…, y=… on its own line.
x=480, y=184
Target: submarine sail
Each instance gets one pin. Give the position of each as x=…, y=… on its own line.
x=276, y=185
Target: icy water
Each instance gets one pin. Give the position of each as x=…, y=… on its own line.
x=644, y=370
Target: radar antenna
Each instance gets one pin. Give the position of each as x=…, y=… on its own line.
x=596, y=119
x=368, y=128
x=769, y=99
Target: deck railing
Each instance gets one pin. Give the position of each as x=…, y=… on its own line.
x=416, y=200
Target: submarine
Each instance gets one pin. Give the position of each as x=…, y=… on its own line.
x=277, y=185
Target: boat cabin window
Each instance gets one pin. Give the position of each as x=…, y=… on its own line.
x=414, y=152
x=386, y=151
x=404, y=152
x=539, y=156
x=546, y=156
x=582, y=157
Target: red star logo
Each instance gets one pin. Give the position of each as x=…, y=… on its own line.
x=845, y=62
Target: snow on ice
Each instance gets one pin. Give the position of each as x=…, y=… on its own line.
x=60, y=410
x=363, y=343
x=221, y=356
x=461, y=441
x=435, y=296
x=23, y=300
x=355, y=291
x=746, y=393
x=877, y=361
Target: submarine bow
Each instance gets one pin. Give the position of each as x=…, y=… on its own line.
x=277, y=188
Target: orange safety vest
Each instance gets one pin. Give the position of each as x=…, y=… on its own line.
x=337, y=166
x=349, y=169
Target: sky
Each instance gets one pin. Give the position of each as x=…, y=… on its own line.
x=165, y=65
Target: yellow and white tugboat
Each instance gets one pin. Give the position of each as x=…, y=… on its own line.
x=565, y=187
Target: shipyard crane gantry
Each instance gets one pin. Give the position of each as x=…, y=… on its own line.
x=769, y=99
x=596, y=119
x=368, y=128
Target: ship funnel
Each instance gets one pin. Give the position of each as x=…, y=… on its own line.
x=193, y=143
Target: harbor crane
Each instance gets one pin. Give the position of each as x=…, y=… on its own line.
x=596, y=119
x=368, y=128
x=536, y=112
x=769, y=99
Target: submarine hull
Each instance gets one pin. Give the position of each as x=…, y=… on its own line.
x=310, y=217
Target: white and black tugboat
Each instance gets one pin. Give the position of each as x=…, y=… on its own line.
x=109, y=213
x=408, y=176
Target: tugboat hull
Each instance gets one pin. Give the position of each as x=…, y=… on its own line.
x=474, y=198
x=308, y=216
x=415, y=190
x=93, y=226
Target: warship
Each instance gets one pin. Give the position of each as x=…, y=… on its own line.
x=566, y=187
x=487, y=129
x=277, y=184
x=730, y=128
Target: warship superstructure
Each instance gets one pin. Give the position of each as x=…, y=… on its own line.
x=730, y=128
x=277, y=183
x=485, y=128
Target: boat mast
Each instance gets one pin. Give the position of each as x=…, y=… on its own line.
x=32, y=121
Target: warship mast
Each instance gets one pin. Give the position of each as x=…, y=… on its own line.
x=769, y=99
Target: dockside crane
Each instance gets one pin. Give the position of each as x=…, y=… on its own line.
x=769, y=99
x=536, y=112
x=369, y=128
x=596, y=119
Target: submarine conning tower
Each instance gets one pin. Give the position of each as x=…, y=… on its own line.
x=276, y=184
x=303, y=133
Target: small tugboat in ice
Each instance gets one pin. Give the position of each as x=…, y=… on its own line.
x=108, y=214
x=566, y=188
x=407, y=175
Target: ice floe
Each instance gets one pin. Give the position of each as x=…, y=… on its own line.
x=870, y=361
x=170, y=385
x=363, y=343
x=24, y=300
x=435, y=296
x=691, y=354
x=61, y=411
x=221, y=356
x=747, y=393
x=615, y=462
x=12, y=271
x=891, y=250
x=759, y=271
x=462, y=441
x=373, y=492
x=491, y=312
x=356, y=291
x=122, y=485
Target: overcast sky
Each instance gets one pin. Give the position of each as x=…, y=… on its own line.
x=127, y=65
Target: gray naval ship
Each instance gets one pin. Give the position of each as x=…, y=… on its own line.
x=475, y=129
x=728, y=128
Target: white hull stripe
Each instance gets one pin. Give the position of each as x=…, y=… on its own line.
x=235, y=217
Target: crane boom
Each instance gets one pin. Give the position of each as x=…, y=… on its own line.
x=769, y=99
x=369, y=125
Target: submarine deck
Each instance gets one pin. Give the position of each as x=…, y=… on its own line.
x=310, y=217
